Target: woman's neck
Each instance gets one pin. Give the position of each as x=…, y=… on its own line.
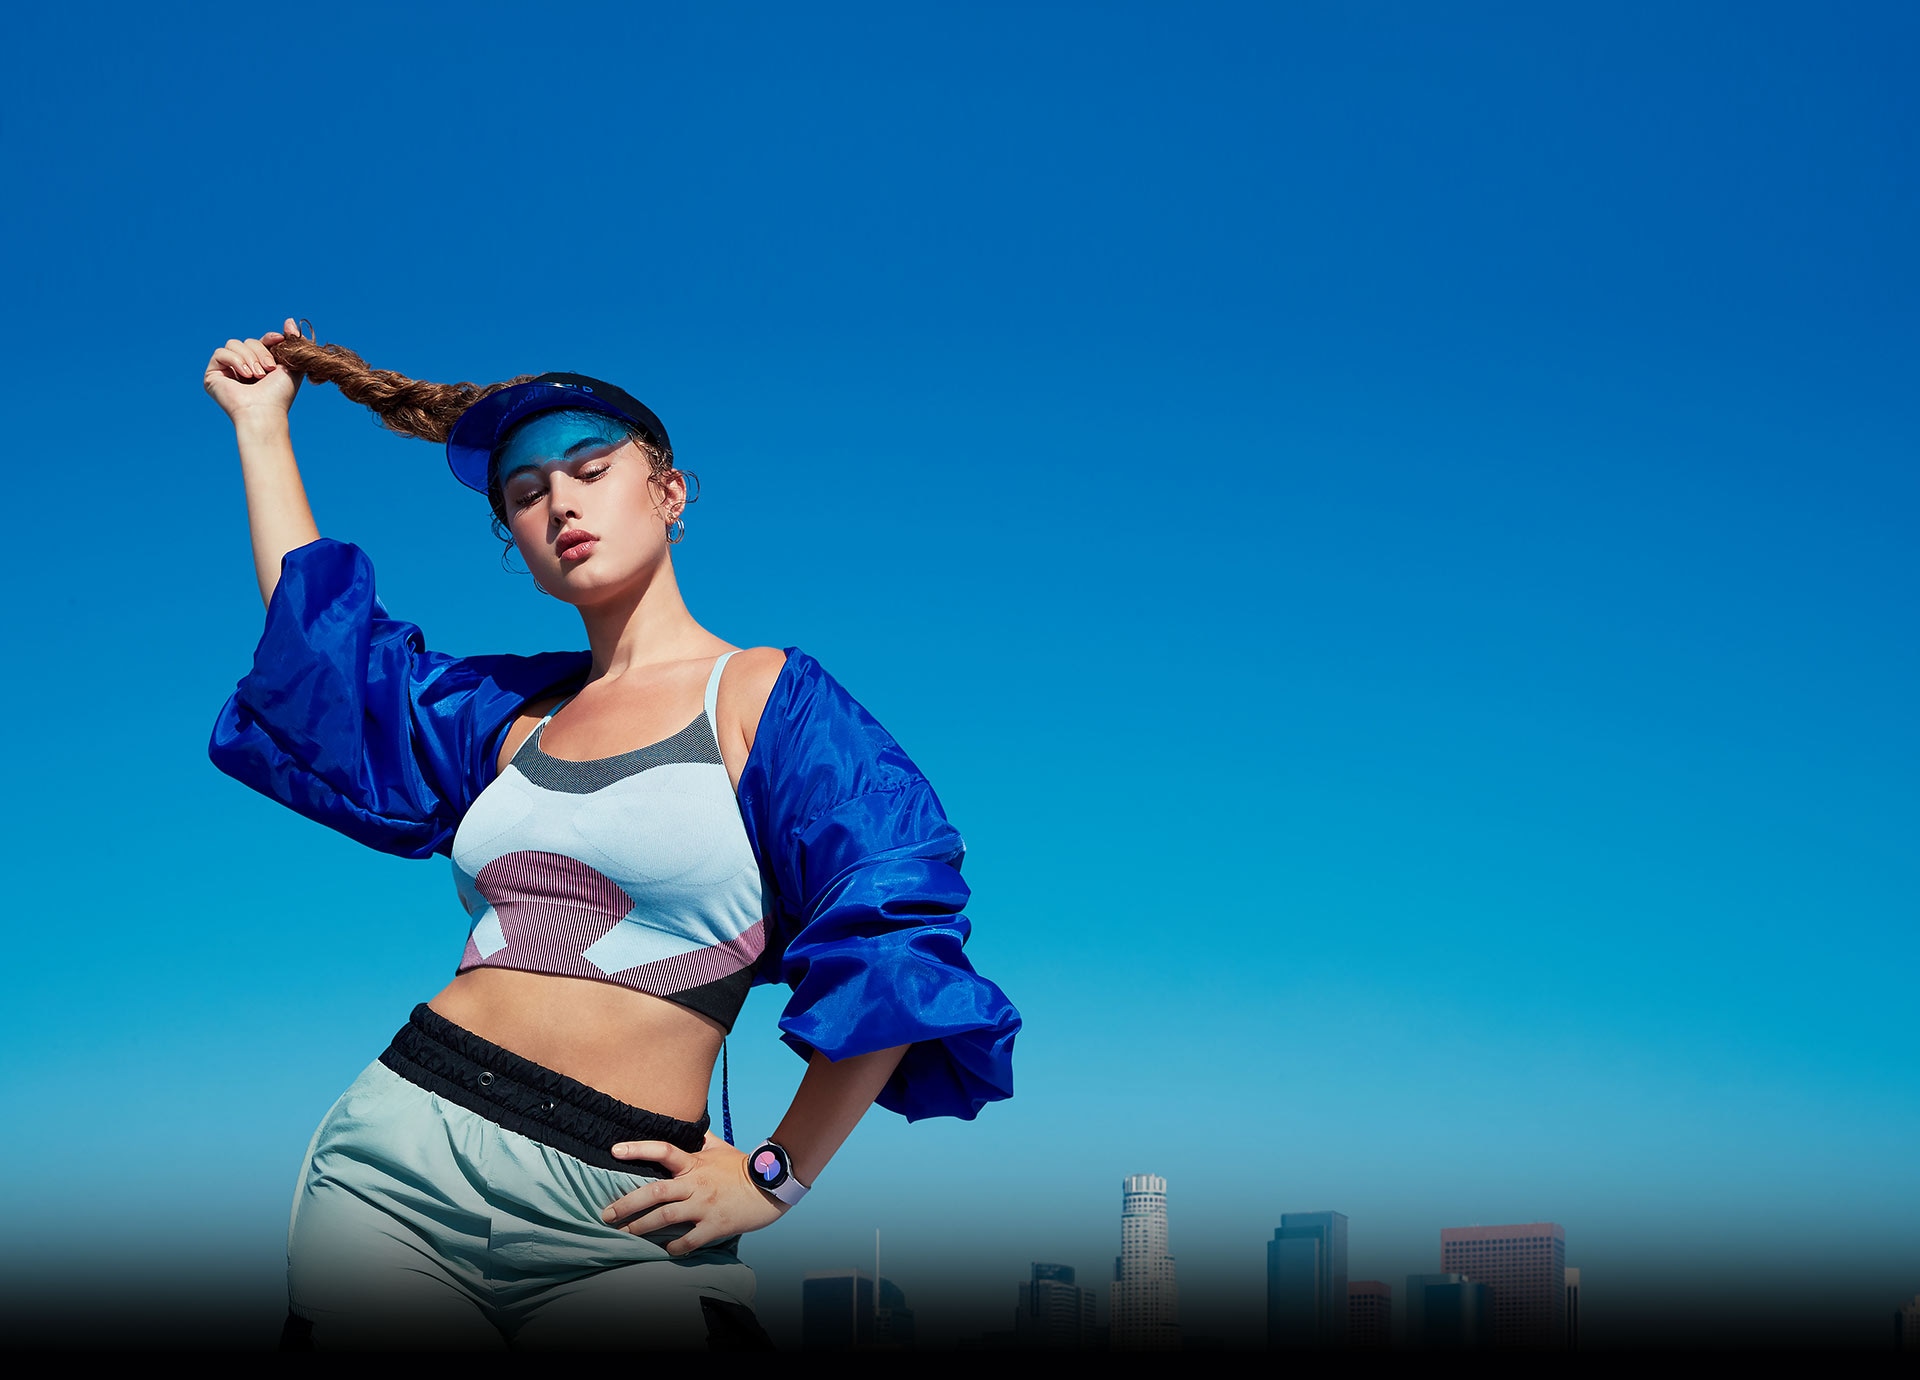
x=642, y=628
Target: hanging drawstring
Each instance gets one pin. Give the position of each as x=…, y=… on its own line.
x=726, y=1108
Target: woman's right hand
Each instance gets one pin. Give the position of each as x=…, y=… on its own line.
x=245, y=378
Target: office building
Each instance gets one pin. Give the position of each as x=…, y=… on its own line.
x=1307, y=1280
x=838, y=1309
x=1525, y=1268
x=1146, y=1303
x=1053, y=1311
x=1573, y=1307
x=1906, y=1326
x=893, y=1322
x=1369, y=1313
x=1448, y=1310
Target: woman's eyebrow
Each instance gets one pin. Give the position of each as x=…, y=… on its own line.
x=586, y=443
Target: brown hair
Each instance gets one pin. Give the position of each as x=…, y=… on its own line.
x=413, y=407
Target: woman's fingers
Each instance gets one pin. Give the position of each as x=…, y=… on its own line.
x=647, y=1196
x=291, y=329
x=695, y=1237
x=242, y=365
x=675, y=1160
x=659, y=1219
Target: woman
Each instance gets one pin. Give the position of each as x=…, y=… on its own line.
x=638, y=834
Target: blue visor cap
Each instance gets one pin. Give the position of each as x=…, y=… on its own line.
x=485, y=425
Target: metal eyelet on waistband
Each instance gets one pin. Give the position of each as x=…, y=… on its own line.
x=486, y=1078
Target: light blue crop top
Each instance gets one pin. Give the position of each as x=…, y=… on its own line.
x=634, y=869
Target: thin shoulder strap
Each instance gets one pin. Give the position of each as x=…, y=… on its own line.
x=538, y=727
x=713, y=694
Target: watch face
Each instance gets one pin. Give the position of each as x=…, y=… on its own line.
x=769, y=1166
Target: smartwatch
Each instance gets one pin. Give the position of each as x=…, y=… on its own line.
x=771, y=1168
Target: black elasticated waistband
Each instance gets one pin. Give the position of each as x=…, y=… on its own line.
x=520, y=1095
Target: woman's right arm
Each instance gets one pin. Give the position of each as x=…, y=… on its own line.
x=255, y=390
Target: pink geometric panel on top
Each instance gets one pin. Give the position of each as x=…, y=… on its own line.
x=552, y=908
x=665, y=976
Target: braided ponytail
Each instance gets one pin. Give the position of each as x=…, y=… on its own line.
x=408, y=406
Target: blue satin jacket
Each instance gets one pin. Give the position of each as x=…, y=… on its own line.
x=350, y=720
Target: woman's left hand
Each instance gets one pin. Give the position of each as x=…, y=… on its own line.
x=709, y=1188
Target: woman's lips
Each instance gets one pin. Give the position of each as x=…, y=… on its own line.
x=576, y=544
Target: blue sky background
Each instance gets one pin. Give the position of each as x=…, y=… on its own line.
x=1390, y=529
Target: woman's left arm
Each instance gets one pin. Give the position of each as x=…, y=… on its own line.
x=865, y=927
x=712, y=1187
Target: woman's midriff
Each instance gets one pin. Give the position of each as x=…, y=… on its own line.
x=642, y=1049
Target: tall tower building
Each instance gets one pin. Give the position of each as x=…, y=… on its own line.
x=1525, y=1268
x=1307, y=1280
x=1369, y=1313
x=1053, y=1310
x=1573, y=1307
x=1146, y=1306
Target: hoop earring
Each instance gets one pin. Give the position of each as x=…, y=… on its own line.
x=542, y=588
x=673, y=540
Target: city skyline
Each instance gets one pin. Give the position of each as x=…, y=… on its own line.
x=1493, y=1299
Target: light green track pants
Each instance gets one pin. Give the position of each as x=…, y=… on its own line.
x=419, y=1223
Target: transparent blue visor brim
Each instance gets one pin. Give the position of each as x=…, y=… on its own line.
x=485, y=425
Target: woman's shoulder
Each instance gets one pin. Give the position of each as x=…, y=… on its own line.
x=747, y=685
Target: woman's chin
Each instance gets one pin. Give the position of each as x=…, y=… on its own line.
x=588, y=586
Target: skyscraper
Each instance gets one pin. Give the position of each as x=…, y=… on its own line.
x=1573, y=1307
x=1146, y=1305
x=1369, y=1313
x=1525, y=1267
x=1053, y=1311
x=1448, y=1310
x=837, y=1310
x=1906, y=1326
x=1307, y=1280
x=893, y=1320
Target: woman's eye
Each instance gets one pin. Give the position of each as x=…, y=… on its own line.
x=532, y=496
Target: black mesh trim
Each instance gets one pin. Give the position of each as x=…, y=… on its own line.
x=721, y=999
x=432, y=1052
x=694, y=743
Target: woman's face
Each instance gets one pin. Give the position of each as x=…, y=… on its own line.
x=565, y=473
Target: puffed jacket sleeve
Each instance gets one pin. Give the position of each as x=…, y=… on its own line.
x=865, y=902
x=348, y=718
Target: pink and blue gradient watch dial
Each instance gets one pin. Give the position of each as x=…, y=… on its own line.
x=771, y=1169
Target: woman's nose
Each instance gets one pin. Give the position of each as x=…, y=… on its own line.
x=563, y=497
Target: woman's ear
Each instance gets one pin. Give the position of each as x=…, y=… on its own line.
x=673, y=493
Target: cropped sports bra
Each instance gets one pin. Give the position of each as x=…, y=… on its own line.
x=634, y=869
